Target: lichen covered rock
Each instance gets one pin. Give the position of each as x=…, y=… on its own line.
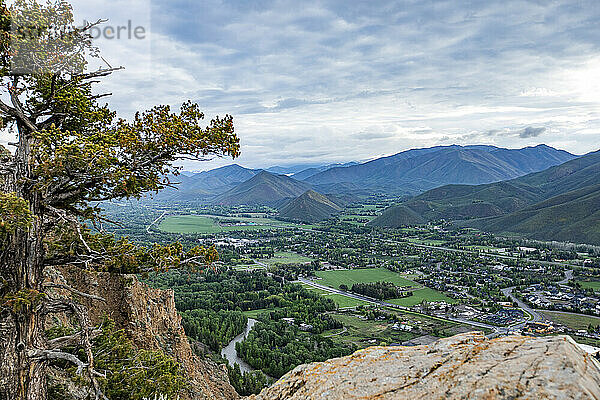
x=466, y=366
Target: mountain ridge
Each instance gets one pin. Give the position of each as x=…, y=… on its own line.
x=416, y=170
x=310, y=207
x=263, y=188
x=559, y=203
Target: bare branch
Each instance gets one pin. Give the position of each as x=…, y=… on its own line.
x=73, y=290
x=62, y=305
x=18, y=108
x=41, y=355
x=99, y=73
x=71, y=340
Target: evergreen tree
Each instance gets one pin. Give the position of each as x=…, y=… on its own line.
x=72, y=152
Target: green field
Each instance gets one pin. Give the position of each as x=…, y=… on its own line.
x=349, y=277
x=286, y=257
x=590, y=285
x=210, y=224
x=345, y=301
x=571, y=320
x=419, y=295
x=314, y=289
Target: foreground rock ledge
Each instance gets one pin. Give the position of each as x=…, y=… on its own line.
x=466, y=366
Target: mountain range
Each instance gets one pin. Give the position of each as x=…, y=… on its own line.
x=414, y=171
x=559, y=203
x=204, y=185
x=407, y=173
x=539, y=192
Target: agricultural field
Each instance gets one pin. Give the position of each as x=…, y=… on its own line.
x=286, y=257
x=572, y=321
x=349, y=277
x=345, y=301
x=210, y=224
x=590, y=285
x=419, y=295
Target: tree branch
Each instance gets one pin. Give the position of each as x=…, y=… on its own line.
x=73, y=290
x=71, y=340
x=62, y=305
x=41, y=355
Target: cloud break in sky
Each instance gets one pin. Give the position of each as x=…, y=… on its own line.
x=331, y=81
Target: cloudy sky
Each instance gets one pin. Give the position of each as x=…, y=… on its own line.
x=346, y=80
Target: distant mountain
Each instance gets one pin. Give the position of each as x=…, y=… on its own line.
x=203, y=185
x=310, y=207
x=307, y=173
x=417, y=170
x=263, y=188
x=560, y=203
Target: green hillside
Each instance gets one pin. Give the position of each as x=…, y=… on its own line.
x=573, y=217
x=560, y=203
x=263, y=189
x=396, y=217
x=310, y=207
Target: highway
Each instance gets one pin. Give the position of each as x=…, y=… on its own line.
x=474, y=252
x=154, y=222
x=496, y=330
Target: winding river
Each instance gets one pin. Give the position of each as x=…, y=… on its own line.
x=229, y=351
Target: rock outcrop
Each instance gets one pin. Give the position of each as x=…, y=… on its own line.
x=466, y=366
x=151, y=320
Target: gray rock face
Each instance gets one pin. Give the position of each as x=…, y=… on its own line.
x=466, y=366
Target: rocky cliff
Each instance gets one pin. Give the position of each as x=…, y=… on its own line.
x=466, y=366
x=151, y=321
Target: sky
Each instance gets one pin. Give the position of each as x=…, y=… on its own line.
x=335, y=81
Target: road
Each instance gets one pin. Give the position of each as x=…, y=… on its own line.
x=500, y=256
x=496, y=330
x=154, y=222
x=568, y=277
x=537, y=317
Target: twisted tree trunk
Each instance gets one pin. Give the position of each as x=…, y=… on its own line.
x=21, y=263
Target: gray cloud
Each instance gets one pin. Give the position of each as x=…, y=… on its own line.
x=531, y=132
x=372, y=135
x=471, y=72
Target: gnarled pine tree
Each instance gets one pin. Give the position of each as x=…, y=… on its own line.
x=70, y=153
